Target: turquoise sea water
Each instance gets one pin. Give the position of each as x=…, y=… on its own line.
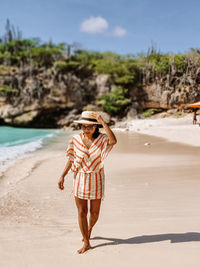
x=15, y=142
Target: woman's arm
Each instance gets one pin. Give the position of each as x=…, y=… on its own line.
x=65, y=172
x=111, y=136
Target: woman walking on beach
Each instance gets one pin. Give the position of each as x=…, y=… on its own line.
x=86, y=153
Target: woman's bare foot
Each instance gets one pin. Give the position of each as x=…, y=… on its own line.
x=85, y=247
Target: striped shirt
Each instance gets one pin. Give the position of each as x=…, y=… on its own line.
x=88, y=167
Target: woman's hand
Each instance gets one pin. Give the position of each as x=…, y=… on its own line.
x=62, y=178
x=61, y=183
x=97, y=117
x=112, y=138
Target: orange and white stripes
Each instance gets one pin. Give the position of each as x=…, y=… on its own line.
x=89, y=185
x=87, y=165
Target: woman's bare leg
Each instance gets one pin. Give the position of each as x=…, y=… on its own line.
x=94, y=214
x=83, y=224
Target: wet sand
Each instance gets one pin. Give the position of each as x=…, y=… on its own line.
x=149, y=217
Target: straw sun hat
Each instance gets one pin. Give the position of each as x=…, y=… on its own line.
x=87, y=118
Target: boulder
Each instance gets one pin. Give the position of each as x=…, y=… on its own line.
x=25, y=119
x=132, y=114
x=103, y=84
x=69, y=118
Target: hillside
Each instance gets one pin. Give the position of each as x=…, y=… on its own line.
x=48, y=85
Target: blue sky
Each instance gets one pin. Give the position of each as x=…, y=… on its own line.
x=128, y=26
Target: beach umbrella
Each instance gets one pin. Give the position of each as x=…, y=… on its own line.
x=195, y=106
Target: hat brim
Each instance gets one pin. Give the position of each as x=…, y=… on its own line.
x=87, y=122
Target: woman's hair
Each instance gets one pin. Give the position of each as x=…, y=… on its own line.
x=96, y=132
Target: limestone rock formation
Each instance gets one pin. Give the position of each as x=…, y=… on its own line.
x=39, y=97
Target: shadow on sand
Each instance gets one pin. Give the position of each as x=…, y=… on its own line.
x=174, y=238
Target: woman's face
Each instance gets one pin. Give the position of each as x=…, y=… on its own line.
x=89, y=128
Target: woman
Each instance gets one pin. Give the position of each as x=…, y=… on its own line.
x=86, y=153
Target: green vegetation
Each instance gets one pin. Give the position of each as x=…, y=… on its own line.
x=148, y=113
x=115, y=101
x=180, y=62
x=124, y=70
x=63, y=66
x=25, y=51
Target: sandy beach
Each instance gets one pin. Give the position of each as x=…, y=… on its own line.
x=173, y=129
x=149, y=217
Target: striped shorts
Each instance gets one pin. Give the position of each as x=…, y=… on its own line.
x=89, y=185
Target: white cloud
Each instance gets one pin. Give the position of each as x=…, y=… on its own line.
x=94, y=25
x=119, y=31
x=100, y=25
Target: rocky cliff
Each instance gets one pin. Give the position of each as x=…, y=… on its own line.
x=174, y=88
x=47, y=98
x=39, y=97
x=166, y=94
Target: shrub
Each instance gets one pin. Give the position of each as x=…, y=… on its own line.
x=43, y=56
x=159, y=62
x=180, y=62
x=115, y=101
x=63, y=66
x=148, y=113
x=84, y=57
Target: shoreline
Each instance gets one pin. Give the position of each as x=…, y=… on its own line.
x=166, y=131
x=19, y=143
x=179, y=130
x=25, y=164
